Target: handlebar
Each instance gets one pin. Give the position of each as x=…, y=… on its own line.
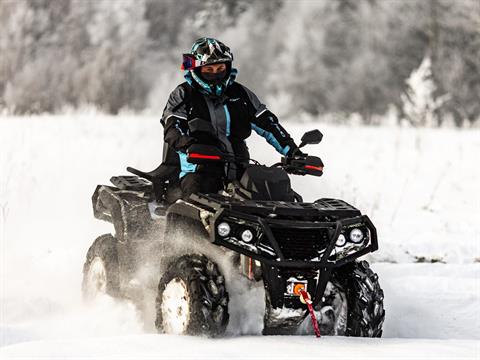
x=297, y=165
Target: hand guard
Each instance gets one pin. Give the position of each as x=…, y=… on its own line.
x=302, y=164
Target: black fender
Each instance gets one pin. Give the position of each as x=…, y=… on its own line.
x=127, y=210
x=183, y=214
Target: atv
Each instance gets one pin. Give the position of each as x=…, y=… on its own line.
x=305, y=254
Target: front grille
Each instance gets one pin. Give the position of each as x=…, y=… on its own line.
x=301, y=244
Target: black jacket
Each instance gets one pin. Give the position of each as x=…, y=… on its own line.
x=233, y=115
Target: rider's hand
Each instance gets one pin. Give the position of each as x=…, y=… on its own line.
x=297, y=153
x=185, y=141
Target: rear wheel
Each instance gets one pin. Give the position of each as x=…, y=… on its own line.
x=192, y=298
x=101, y=270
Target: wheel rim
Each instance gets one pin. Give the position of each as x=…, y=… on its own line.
x=334, y=312
x=175, y=307
x=96, y=278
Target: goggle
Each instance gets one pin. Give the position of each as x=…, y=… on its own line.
x=190, y=62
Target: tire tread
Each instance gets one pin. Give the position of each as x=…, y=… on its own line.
x=197, y=271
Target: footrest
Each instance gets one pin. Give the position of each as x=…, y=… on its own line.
x=133, y=183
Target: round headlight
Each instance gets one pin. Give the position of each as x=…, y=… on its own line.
x=247, y=235
x=341, y=241
x=223, y=229
x=356, y=236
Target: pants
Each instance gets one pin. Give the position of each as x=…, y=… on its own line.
x=208, y=180
x=204, y=183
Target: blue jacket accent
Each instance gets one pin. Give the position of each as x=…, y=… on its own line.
x=227, y=116
x=271, y=140
x=185, y=166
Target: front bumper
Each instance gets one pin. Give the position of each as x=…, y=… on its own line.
x=267, y=249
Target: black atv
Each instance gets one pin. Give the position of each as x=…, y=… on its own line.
x=259, y=226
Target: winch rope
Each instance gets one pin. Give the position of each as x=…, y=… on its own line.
x=306, y=299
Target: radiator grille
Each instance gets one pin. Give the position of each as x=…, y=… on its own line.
x=301, y=244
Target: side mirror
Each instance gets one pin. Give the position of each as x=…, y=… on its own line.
x=311, y=137
x=198, y=125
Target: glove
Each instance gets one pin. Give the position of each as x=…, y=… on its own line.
x=184, y=142
x=297, y=153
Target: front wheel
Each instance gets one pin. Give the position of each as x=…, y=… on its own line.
x=364, y=298
x=192, y=298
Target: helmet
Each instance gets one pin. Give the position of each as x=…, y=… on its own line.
x=206, y=51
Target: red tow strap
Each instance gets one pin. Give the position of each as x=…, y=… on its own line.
x=306, y=299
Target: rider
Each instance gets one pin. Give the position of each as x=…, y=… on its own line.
x=211, y=93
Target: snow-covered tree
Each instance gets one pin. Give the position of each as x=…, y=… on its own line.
x=420, y=104
x=324, y=56
x=118, y=34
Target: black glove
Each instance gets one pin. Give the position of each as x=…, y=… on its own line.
x=297, y=153
x=184, y=142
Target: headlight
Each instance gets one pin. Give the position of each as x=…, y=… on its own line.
x=247, y=235
x=223, y=229
x=341, y=240
x=356, y=236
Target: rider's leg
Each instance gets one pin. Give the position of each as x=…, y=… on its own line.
x=200, y=183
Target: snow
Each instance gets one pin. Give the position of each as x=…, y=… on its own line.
x=419, y=187
x=435, y=301
x=247, y=347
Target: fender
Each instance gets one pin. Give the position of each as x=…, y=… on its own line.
x=185, y=213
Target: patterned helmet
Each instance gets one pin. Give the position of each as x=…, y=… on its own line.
x=206, y=51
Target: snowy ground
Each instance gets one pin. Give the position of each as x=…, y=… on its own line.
x=420, y=187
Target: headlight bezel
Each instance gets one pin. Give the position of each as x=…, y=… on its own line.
x=246, y=231
x=227, y=229
x=356, y=236
x=342, y=244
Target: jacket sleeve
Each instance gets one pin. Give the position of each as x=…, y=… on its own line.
x=175, y=121
x=266, y=124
